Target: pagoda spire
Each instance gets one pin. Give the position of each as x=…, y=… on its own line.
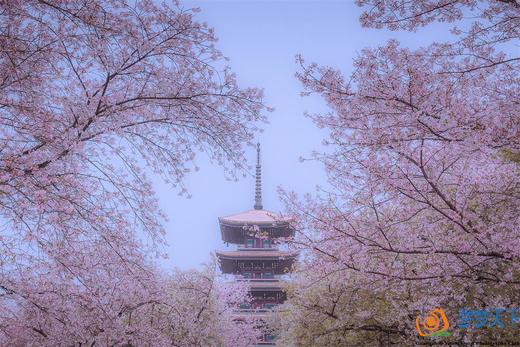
x=258, y=185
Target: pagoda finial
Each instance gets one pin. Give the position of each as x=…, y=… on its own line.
x=258, y=186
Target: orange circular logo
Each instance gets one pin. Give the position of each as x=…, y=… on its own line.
x=434, y=324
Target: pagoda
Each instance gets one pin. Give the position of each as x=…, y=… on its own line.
x=257, y=259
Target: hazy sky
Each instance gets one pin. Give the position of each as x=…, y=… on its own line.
x=262, y=38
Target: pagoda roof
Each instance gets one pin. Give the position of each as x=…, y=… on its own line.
x=248, y=314
x=261, y=285
x=255, y=217
x=257, y=254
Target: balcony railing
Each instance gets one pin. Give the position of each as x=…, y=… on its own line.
x=256, y=310
x=274, y=279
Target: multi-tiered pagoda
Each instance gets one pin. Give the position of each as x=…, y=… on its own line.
x=257, y=258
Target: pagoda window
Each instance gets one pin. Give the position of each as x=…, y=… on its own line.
x=266, y=244
x=246, y=274
x=250, y=243
x=245, y=306
x=268, y=275
x=269, y=338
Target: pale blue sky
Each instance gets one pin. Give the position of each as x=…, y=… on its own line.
x=262, y=38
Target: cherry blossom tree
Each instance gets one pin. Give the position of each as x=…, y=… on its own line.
x=92, y=95
x=188, y=308
x=424, y=174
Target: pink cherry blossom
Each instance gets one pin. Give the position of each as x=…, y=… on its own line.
x=423, y=165
x=92, y=95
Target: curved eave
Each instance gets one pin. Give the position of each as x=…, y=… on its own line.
x=237, y=233
x=269, y=287
x=256, y=255
x=264, y=285
x=271, y=224
x=243, y=316
x=229, y=263
x=255, y=217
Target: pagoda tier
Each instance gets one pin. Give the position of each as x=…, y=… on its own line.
x=265, y=295
x=237, y=228
x=256, y=263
